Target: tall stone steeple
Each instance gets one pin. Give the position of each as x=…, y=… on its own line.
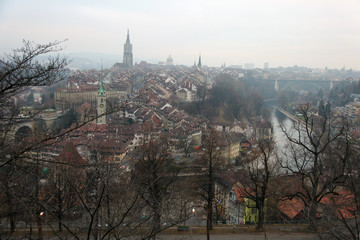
x=128, y=37
x=101, y=103
x=128, y=56
x=199, y=63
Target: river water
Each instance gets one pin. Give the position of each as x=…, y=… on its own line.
x=277, y=119
x=281, y=142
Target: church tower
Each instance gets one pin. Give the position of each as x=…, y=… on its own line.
x=199, y=63
x=101, y=103
x=128, y=56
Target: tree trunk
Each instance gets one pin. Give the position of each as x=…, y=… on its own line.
x=208, y=224
x=156, y=222
x=30, y=230
x=211, y=195
x=207, y=233
x=260, y=223
x=10, y=211
x=59, y=210
x=38, y=220
x=12, y=225
x=209, y=218
x=312, y=215
x=156, y=206
x=95, y=231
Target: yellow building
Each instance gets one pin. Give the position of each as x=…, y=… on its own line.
x=251, y=213
x=234, y=150
x=229, y=146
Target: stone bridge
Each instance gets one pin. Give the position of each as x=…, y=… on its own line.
x=23, y=128
x=330, y=82
x=19, y=129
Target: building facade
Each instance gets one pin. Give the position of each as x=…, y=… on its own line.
x=72, y=98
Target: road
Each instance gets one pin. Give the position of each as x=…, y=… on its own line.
x=189, y=236
x=241, y=236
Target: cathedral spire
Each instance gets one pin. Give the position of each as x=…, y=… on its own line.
x=128, y=37
x=199, y=63
x=128, y=56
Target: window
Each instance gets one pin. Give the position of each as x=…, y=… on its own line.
x=253, y=211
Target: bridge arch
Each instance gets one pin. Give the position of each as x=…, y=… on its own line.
x=23, y=132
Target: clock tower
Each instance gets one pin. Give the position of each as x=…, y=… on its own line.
x=101, y=103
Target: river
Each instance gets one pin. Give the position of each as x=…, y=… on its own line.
x=279, y=137
x=281, y=141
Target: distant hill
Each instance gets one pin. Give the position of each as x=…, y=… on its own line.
x=92, y=60
x=88, y=60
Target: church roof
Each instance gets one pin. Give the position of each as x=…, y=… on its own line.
x=102, y=89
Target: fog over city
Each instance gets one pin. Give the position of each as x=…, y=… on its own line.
x=307, y=33
x=180, y=119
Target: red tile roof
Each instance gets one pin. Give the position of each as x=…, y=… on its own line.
x=342, y=203
x=291, y=207
x=70, y=155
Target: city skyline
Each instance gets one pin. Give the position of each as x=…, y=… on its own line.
x=306, y=33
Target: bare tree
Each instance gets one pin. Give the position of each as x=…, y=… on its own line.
x=318, y=151
x=155, y=172
x=111, y=210
x=18, y=71
x=211, y=160
x=340, y=211
x=93, y=200
x=258, y=170
x=186, y=145
x=23, y=69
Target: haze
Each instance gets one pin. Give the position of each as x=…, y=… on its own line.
x=315, y=33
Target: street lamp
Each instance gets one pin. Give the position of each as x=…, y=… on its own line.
x=38, y=217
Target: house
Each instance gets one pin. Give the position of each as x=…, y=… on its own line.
x=235, y=207
x=236, y=128
x=70, y=176
x=248, y=213
x=184, y=94
x=251, y=213
x=86, y=113
x=220, y=126
x=234, y=140
x=247, y=145
x=263, y=130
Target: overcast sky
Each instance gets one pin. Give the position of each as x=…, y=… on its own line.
x=313, y=33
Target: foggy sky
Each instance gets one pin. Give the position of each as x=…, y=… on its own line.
x=313, y=33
